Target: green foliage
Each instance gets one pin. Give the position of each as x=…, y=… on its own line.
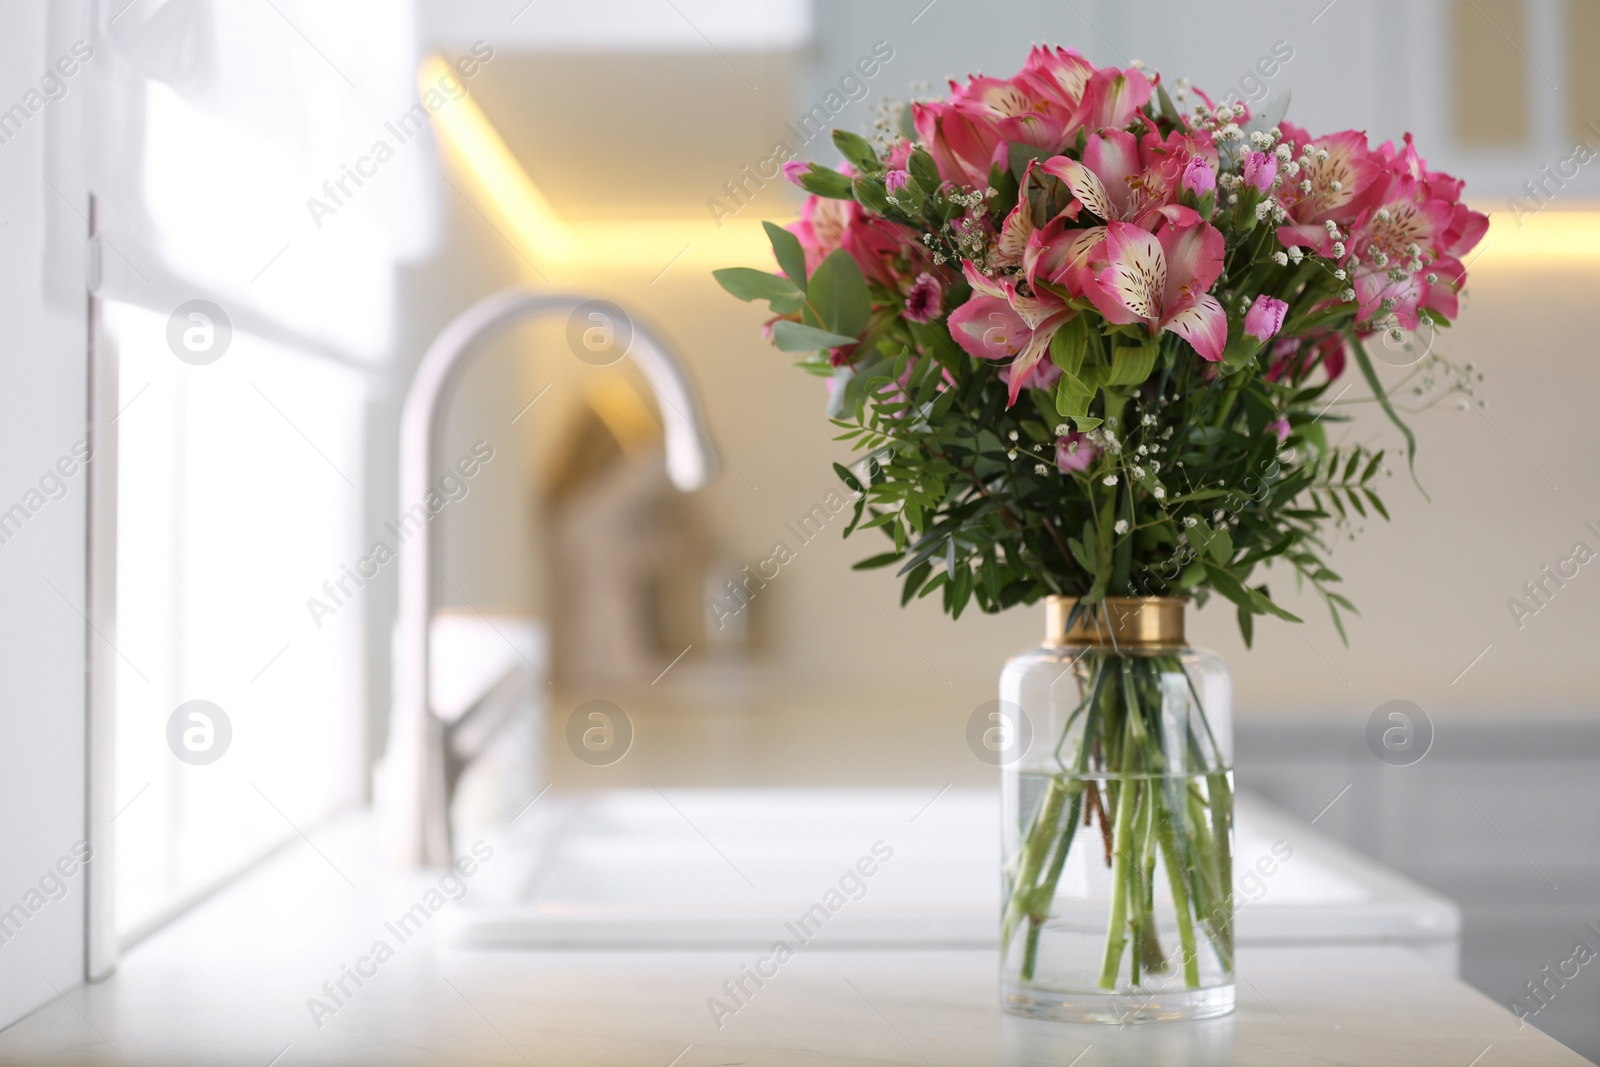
x=1209, y=496
x=837, y=296
x=786, y=247
x=825, y=181
x=798, y=337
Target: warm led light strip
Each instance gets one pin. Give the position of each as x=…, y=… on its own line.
x=1553, y=236
x=540, y=233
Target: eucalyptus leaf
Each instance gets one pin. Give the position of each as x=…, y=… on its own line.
x=791, y=257
x=798, y=337
x=748, y=284
x=838, y=293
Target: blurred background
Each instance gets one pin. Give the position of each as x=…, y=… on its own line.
x=270, y=159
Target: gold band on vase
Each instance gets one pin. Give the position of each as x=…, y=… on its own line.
x=1117, y=621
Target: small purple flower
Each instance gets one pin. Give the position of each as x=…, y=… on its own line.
x=896, y=180
x=1265, y=318
x=1280, y=428
x=1198, y=177
x=925, y=300
x=1260, y=170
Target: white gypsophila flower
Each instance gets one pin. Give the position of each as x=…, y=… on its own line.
x=1110, y=479
x=1296, y=254
x=1348, y=296
x=1138, y=472
x=1191, y=521
x=1040, y=468
x=1336, y=186
x=1121, y=526
x=1012, y=454
x=1281, y=258
x=1283, y=152
x=1062, y=429
x=1160, y=492
x=1338, y=250
x=1340, y=274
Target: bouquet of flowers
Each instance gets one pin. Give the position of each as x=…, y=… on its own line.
x=1088, y=333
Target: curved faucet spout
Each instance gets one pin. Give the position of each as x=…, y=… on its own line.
x=416, y=786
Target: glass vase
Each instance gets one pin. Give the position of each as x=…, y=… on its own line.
x=1118, y=820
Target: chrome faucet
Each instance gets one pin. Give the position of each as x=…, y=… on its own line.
x=426, y=754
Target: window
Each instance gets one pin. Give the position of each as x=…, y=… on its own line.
x=237, y=499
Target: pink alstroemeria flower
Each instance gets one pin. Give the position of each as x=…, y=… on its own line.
x=1341, y=169
x=820, y=227
x=1112, y=98
x=997, y=322
x=1265, y=318
x=1403, y=216
x=1114, y=183
x=1279, y=428
x=1163, y=280
x=1075, y=453
x=1058, y=76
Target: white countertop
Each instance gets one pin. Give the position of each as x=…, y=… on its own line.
x=229, y=984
